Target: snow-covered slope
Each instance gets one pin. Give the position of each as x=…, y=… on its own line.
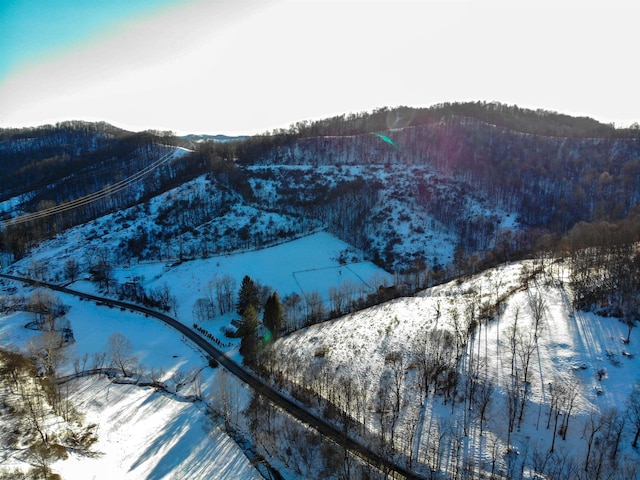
x=146, y=434
x=572, y=348
x=142, y=432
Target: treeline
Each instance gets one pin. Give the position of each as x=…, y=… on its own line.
x=511, y=117
x=551, y=181
x=605, y=267
x=37, y=157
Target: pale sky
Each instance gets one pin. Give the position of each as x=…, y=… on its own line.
x=244, y=67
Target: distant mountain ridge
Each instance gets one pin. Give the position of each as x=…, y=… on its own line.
x=214, y=138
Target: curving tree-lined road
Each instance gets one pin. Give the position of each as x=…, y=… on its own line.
x=249, y=378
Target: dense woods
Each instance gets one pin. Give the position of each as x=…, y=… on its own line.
x=453, y=166
x=551, y=181
x=550, y=171
x=55, y=177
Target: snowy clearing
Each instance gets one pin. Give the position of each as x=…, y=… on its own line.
x=146, y=434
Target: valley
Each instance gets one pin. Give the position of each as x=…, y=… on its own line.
x=460, y=297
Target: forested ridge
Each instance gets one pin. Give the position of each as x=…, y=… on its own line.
x=548, y=170
x=551, y=182
x=453, y=168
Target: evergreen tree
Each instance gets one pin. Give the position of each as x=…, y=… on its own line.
x=248, y=331
x=273, y=317
x=248, y=295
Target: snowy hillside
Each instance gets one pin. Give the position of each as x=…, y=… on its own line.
x=395, y=213
x=572, y=348
x=142, y=433
x=145, y=434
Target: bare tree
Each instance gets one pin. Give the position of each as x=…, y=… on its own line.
x=80, y=363
x=224, y=400
x=410, y=430
x=483, y=394
x=71, y=269
x=633, y=412
x=46, y=307
x=511, y=338
x=537, y=304
x=337, y=299
x=433, y=353
x=292, y=304
x=182, y=378
x=603, y=432
x=395, y=368
x=361, y=400
x=120, y=353
x=459, y=329
x=162, y=297
x=101, y=268
x=156, y=375
x=564, y=392
x=98, y=360
x=384, y=410
x=220, y=291
x=315, y=307
x=38, y=269
x=592, y=427
x=436, y=449
x=203, y=310
x=513, y=404
x=570, y=392
x=47, y=349
x=526, y=348
x=513, y=381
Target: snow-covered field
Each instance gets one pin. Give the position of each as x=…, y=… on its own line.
x=146, y=434
x=301, y=266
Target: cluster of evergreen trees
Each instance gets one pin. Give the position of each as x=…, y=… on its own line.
x=248, y=306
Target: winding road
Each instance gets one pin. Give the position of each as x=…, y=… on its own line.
x=297, y=411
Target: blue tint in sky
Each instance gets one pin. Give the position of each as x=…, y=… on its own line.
x=32, y=30
x=245, y=66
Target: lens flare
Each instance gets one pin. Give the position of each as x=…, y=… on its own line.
x=388, y=140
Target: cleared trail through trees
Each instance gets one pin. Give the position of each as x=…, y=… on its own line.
x=302, y=414
x=93, y=197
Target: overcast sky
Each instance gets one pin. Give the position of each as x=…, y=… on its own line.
x=244, y=67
